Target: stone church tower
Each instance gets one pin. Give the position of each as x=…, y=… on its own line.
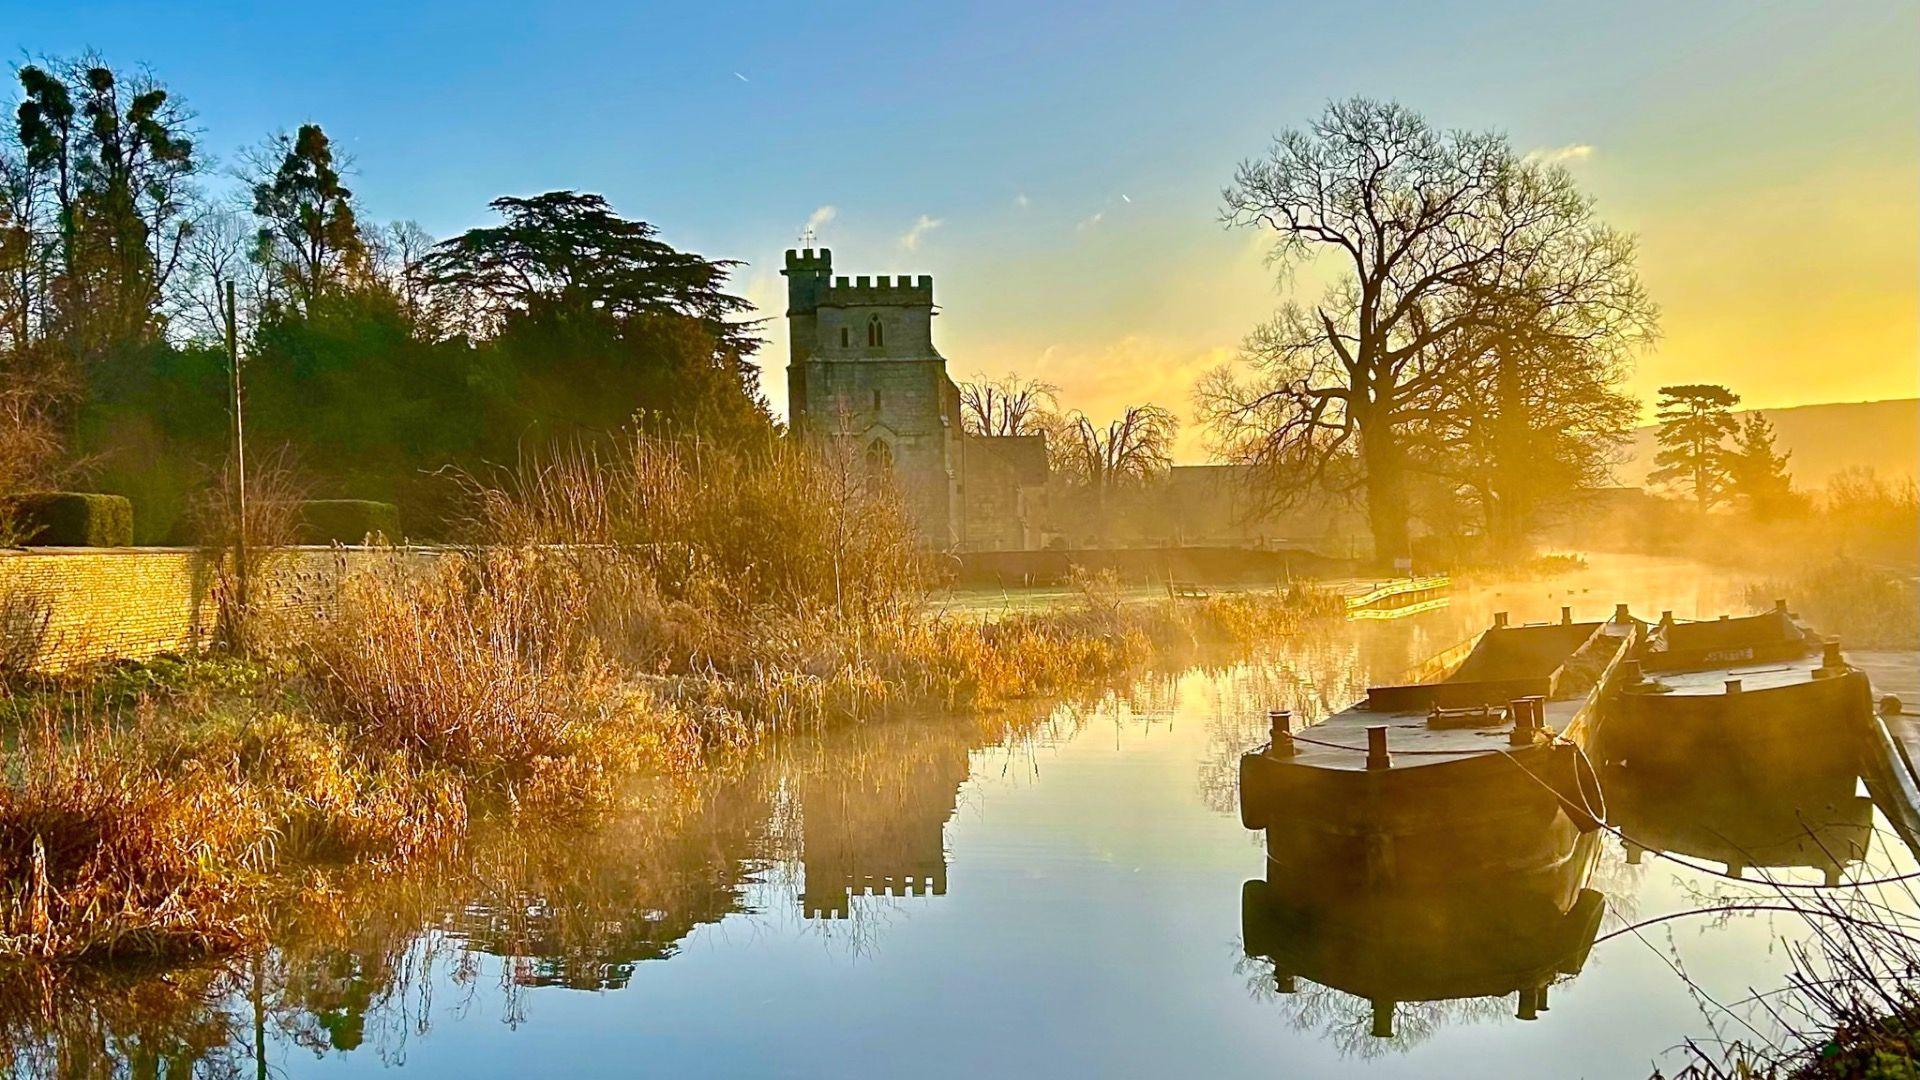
x=863, y=367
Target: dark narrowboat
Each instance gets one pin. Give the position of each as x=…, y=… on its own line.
x=1750, y=696
x=1478, y=747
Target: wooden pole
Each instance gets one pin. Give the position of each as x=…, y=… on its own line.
x=240, y=480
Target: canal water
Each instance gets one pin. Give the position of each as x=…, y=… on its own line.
x=1057, y=893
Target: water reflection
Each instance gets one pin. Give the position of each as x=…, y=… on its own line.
x=874, y=818
x=358, y=958
x=860, y=898
x=1808, y=821
x=1403, y=958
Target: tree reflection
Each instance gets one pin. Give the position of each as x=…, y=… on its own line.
x=357, y=954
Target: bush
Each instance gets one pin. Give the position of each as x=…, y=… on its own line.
x=347, y=521
x=71, y=519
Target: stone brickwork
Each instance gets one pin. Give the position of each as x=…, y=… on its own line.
x=863, y=368
x=64, y=607
x=1004, y=477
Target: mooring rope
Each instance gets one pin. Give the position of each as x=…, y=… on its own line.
x=1430, y=753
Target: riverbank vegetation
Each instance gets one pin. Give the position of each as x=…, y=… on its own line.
x=643, y=605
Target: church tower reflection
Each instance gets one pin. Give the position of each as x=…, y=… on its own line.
x=875, y=814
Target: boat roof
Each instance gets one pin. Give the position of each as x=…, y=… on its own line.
x=1494, y=668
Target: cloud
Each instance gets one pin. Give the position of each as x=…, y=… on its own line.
x=1089, y=222
x=741, y=77
x=1561, y=155
x=911, y=238
x=820, y=217
x=1105, y=377
x=1020, y=200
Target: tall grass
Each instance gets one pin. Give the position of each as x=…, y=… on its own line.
x=642, y=605
x=1867, y=605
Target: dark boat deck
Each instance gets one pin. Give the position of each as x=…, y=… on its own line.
x=1760, y=676
x=1410, y=740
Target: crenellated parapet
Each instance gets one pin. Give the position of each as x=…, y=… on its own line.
x=809, y=259
x=881, y=291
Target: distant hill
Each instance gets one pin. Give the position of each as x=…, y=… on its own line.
x=1884, y=435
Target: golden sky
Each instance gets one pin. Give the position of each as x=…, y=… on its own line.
x=1767, y=158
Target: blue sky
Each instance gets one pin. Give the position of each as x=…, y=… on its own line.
x=1064, y=166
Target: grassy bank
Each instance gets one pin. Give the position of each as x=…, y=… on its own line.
x=654, y=607
x=1867, y=605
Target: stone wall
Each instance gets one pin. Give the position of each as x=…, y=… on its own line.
x=912, y=408
x=64, y=607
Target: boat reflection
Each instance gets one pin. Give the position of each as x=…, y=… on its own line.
x=1799, y=820
x=1388, y=945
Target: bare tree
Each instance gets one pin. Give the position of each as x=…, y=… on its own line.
x=1133, y=448
x=1539, y=413
x=220, y=250
x=1437, y=233
x=1010, y=405
x=397, y=262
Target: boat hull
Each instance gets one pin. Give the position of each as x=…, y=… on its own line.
x=1497, y=811
x=1812, y=727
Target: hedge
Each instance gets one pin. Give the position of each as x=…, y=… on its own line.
x=71, y=519
x=347, y=521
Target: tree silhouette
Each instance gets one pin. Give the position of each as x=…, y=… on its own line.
x=1442, y=238
x=568, y=253
x=1696, y=420
x=1011, y=405
x=309, y=236
x=114, y=155
x=1757, y=470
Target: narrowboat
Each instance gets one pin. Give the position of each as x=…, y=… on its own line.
x=1758, y=696
x=1480, y=746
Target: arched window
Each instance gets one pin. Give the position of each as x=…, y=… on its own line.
x=876, y=401
x=874, y=334
x=844, y=336
x=879, y=458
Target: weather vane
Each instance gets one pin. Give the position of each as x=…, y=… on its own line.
x=806, y=237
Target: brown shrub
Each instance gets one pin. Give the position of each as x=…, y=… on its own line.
x=103, y=854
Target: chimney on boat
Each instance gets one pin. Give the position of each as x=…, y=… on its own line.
x=1566, y=615
x=1500, y=619
x=1620, y=613
x=1382, y=1019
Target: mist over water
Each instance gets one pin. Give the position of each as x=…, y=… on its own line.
x=1063, y=893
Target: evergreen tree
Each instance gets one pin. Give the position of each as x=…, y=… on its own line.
x=1758, y=470
x=1696, y=420
x=308, y=237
